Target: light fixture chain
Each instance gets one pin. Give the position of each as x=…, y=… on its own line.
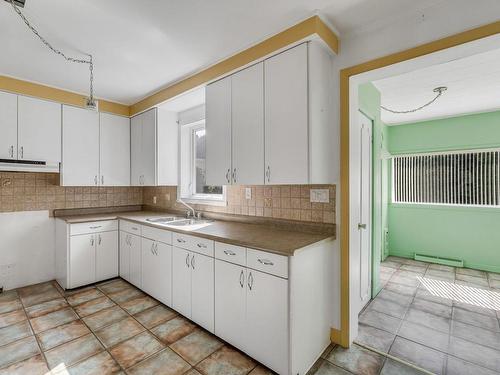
x=439, y=91
x=58, y=52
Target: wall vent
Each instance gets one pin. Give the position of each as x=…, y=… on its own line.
x=439, y=260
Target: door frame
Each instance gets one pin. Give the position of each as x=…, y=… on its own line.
x=345, y=336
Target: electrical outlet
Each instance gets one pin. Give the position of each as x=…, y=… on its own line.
x=320, y=195
x=154, y=200
x=248, y=193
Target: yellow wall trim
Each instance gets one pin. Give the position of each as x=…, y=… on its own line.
x=21, y=87
x=345, y=74
x=335, y=336
x=305, y=29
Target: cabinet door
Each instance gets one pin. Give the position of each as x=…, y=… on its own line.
x=114, y=150
x=247, y=104
x=8, y=126
x=136, y=151
x=286, y=117
x=267, y=320
x=39, y=130
x=157, y=270
x=82, y=260
x=218, y=132
x=181, y=281
x=202, y=291
x=230, y=303
x=149, y=148
x=135, y=261
x=80, y=165
x=124, y=255
x=106, y=264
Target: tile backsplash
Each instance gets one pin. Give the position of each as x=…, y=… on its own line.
x=41, y=191
x=289, y=202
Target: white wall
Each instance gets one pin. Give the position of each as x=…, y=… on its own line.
x=27, y=248
x=379, y=39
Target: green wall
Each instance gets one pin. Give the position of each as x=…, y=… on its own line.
x=369, y=104
x=471, y=234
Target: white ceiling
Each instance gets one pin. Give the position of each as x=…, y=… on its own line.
x=473, y=86
x=140, y=46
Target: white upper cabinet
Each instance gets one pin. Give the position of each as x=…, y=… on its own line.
x=80, y=166
x=39, y=130
x=247, y=105
x=114, y=150
x=286, y=117
x=272, y=122
x=218, y=135
x=8, y=126
x=154, y=138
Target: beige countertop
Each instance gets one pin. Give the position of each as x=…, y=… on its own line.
x=256, y=236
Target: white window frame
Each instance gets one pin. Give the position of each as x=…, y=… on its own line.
x=193, y=197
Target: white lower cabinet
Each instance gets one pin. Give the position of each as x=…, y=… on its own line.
x=81, y=260
x=135, y=268
x=125, y=255
x=106, y=264
x=86, y=252
x=157, y=266
x=193, y=286
x=251, y=313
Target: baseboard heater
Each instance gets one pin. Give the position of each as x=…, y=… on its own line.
x=439, y=260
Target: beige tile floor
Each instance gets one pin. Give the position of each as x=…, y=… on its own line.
x=443, y=319
x=113, y=328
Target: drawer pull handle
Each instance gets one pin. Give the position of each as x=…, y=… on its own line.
x=192, y=262
x=229, y=252
x=202, y=245
x=250, y=281
x=180, y=240
x=96, y=227
x=135, y=228
x=242, y=279
x=265, y=262
x=187, y=260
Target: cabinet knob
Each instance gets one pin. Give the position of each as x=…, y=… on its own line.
x=21, y=152
x=187, y=260
x=268, y=173
x=192, y=261
x=250, y=281
x=11, y=151
x=227, y=176
x=102, y=180
x=242, y=279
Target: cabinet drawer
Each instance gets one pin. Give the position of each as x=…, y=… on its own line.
x=267, y=262
x=93, y=227
x=231, y=253
x=196, y=244
x=130, y=227
x=155, y=234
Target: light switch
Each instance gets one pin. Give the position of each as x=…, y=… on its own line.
x=154, y=200
x=248, y=193
x=320, y=195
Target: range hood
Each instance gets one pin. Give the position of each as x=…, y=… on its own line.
x=14, y=165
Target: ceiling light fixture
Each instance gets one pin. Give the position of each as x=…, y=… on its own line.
x=90, y=102
x=439, y=90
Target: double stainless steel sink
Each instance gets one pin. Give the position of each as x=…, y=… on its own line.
x=176, y=221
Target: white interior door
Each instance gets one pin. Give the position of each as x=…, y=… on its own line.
x=8, y=126
x=114, y=150
x=361, y=164
x=248, y=126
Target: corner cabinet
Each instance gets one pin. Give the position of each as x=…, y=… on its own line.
x=272, y=122
x=86, y=252
x=96, y=148
x=153, y=153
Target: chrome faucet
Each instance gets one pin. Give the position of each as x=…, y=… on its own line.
x=191, y=209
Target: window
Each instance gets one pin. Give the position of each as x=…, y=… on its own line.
x=467, y=178
x=193, y=155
